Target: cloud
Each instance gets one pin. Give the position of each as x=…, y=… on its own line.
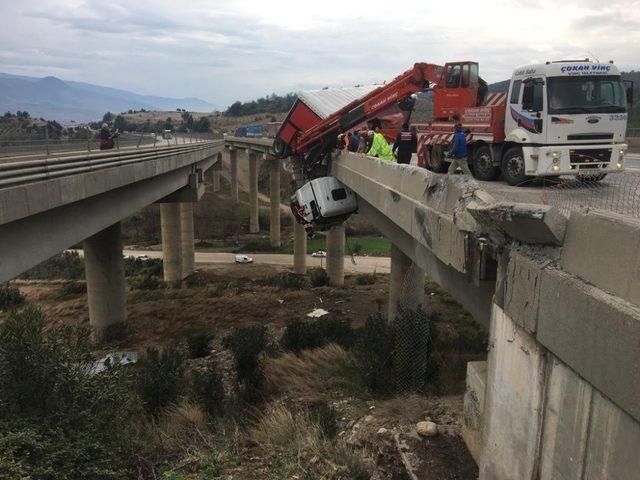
x=221, y=51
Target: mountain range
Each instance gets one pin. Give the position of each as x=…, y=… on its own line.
x=64, y=101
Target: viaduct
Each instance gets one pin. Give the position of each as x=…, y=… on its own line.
x=558, y=397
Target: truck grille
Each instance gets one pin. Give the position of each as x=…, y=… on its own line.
x=590, y=156
x=590, y=136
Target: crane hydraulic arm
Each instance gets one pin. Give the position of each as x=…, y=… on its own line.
x=305, y=134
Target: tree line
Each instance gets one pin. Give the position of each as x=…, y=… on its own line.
x=270, y=104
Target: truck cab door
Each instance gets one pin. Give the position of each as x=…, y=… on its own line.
x=529, y=111
x=457, y=89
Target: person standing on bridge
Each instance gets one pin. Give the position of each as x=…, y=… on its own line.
x=354, y=142
x=106, y=137
x=458, y=152
x=379, y=146
x=405, y=145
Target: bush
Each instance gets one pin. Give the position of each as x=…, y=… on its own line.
x=373, y=350
x=318, y=277
x=199, y=345
x=68, y=265
x=247, y=345
x=58, y=419
x=287, y=280
x=136, y=266
x=197, y=279
x=208, y=390
x=147, y=282
x=10, y=297
x=160, y=378
x=366, y=279
x=72, y=289
x=307, y=334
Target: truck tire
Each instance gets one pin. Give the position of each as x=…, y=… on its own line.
x=435, y=160
x=280, y=148
x=482, y=162
x=513, y=168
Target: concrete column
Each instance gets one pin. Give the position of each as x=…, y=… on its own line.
x=254, y=227
x=171, y=241
x=299, y=249
x=186, y=238
x=233, y=167
x=406, y=283
x=274, y=202
x=215, y=180
x=104, y=272
x=335, y=255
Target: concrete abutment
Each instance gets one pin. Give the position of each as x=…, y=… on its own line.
x=170, y=220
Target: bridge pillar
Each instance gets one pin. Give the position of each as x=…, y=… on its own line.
x=104, y=272
x=406, y=283
x=233, y=173
x=215, y=174
x=171, y=241
x=186, y=238
x=254, y=226
x=274, y=202
x=299, y=249
x=335, y=255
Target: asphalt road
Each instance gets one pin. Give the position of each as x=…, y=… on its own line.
x=204, y=259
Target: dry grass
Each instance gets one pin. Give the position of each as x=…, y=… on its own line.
x=308, y=376
x=303, y=444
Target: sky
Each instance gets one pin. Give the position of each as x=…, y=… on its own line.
x=222, y=51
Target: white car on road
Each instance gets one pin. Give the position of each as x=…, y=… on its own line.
x=243, y=259
x=319, y=253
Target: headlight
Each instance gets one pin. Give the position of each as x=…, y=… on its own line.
x=555, y=168
x=622, y=152
x=619, y=164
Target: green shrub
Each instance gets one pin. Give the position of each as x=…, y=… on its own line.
x=160, y=378
x=199, y=344
x=356, y=248
x=58, y=419
x=318, y=277
x=373, y=350
x=366, y=279
x=135, y=266
x=308, y=334
x=286, y=280
x=247, y=345
x=68, y=264
x=10, y=297
x=72, y=289
x=147, y=282
x=208, y=389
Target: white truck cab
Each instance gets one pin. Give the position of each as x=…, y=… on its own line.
x=323, y=201
x=568, y=117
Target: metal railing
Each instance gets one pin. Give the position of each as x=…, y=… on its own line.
x=21, y=170
x=50, y=146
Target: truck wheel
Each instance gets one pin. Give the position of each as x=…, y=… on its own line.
x=482, y=162
x=280, y=148
x=436, y=160
x=513, y=168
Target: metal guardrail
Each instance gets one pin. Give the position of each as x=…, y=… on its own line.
x=24, y=171
x=49, y=146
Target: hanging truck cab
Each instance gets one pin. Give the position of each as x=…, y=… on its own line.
x=323, y=202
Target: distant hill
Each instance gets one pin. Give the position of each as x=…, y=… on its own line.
x=60, y=100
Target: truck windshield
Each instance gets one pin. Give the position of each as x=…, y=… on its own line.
x=601, y=94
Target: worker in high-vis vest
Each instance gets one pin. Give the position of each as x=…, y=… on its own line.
x=379, y=146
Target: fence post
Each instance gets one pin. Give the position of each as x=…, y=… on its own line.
x=140, y=139
x=89, y=143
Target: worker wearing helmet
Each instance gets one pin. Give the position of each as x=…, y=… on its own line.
x=458, y=152
x=379, y=146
